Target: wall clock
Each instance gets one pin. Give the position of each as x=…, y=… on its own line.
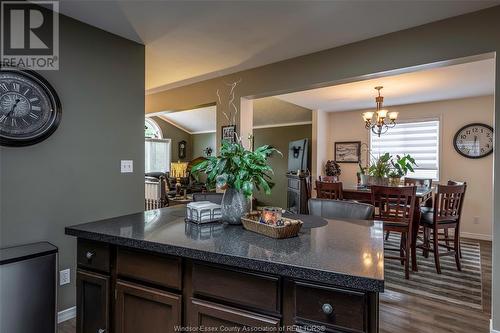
x=182, y=149
x=474, y=140
x=30, y=109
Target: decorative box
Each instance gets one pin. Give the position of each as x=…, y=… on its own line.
x=203, y=212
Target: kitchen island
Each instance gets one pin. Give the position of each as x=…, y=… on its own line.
x=153, y=272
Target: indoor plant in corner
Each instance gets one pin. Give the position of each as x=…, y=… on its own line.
x=239, y=171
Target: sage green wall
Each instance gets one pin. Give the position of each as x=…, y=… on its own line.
x=456, y=37
x=74, y=176
x=174, y=133
x=279, y=137
x=201, y=142
x=272, y=111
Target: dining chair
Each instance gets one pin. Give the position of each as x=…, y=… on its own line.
x=329, y=190
x=395, y=207
x=339, y=209
x=445, y=214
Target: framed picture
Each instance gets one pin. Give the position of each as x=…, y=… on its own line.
x=347, y=152
x=228, y=133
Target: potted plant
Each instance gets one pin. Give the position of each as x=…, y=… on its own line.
x=400, y=168
x=239, y=171
x=332, y=169
x=379, y=169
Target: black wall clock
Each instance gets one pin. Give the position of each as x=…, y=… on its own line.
x=474, y=140
x=182, y=149
x=30, y=109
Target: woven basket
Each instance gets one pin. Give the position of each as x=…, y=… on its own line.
x=251, y=222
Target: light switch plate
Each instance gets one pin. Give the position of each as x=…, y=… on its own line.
x=127, y=166
x=64, y=277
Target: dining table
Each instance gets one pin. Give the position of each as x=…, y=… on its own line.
x=362, y=193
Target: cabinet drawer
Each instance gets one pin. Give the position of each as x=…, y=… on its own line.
x=157, y=269
x=252, y=290
x=337, y=309
x=93, y=255
x=142, y=309
x=224, y=318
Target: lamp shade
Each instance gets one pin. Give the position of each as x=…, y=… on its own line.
x=178, y=169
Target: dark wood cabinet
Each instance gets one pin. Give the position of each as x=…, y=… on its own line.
x=298, y=193
x=122, y=290
x=92, y=300
x=143, y=309
x=209, y=314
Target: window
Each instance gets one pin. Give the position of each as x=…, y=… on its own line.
x=420, y=139
x=151, y=129
x=157, y=150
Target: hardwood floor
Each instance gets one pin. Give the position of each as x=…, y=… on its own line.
x=412, y=314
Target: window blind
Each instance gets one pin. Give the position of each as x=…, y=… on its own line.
x=157, y=153
x=420, y=139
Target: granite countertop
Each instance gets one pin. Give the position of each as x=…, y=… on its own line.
x=345, y=253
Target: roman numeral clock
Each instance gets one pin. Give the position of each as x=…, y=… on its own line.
x=30, y=110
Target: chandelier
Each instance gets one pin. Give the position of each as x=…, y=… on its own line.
x=377, y=121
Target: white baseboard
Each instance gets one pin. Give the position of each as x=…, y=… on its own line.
x=66, y=314
x=476, y=236
x=491, y=327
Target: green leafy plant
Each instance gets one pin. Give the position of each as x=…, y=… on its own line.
x=401, y=166
x=239, y=168
x=381, y=166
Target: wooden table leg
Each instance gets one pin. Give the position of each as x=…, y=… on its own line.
x=414, y=235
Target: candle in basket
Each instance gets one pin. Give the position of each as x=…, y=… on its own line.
x=270, y=215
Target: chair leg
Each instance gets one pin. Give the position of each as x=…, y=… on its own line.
x=426, y=242
x=436, y=250
x=402, y=248
x=445, y=231
x=456, y=246
x=407, y=256
x=387, y=235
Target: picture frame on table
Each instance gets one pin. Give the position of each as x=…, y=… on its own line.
x=229, y=133
x=348, y=152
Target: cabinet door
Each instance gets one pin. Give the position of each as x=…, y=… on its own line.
x=92, y=302
x=144, y=309
x=215, y=317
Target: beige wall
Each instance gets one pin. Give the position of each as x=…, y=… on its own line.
x=453, y=38
x=453, y=114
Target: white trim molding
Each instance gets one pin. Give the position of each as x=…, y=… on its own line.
x=284, y=124
x=67, y=314
x=491, y=327
x=476, y=236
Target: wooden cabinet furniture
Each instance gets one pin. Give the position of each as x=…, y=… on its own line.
x=124, y=290
x=92, y=302
x=298, y=192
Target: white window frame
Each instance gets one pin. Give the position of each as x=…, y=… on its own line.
x=417, y=120
x=169, y=153
x=155, y=125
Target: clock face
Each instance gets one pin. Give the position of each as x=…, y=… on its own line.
x=474, y=140
x=30, y=110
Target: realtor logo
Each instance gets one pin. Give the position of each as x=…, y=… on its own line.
x=30, y=34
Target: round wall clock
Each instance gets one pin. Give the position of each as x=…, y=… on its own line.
x=474, y=140
x=30, y=109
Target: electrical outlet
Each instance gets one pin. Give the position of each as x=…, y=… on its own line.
x=127, y=166
x=475, y=220
x=64, y=277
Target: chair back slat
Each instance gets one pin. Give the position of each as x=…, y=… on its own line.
x=448, y=202
x=395, y=204
x=329, y=190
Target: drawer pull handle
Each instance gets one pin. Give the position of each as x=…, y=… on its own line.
x=101, y=330
x=89, y=255
x=327, y=309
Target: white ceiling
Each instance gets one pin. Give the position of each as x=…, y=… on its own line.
x=195, y=121
x=457, y=81
x=189, y=41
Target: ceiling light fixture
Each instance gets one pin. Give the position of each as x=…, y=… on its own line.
x=380, y=124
